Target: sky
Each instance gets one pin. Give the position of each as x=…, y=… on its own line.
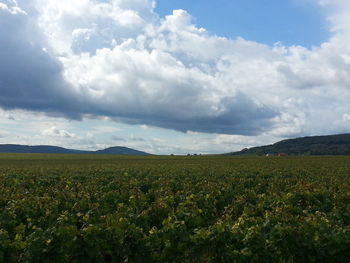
x=173, y=77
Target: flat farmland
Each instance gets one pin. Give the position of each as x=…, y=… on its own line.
x=89, y=208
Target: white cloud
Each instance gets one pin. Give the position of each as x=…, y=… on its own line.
x=86, y=25
x=6, y=117
x=55, y=132
x=339, y=14
x=12, y=8
x=346, y=117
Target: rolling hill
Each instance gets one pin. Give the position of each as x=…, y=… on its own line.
x=312, y=145
x=15, y=148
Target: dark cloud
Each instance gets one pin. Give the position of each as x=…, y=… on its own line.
x=30, y=78
x=242, y=116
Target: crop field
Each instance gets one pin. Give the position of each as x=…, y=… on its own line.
x=85, y=208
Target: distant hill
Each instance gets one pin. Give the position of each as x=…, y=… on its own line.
x=314, y=145
x=15, y=148
x=121, y=150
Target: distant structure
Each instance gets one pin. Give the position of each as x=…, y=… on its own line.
x=278, y=154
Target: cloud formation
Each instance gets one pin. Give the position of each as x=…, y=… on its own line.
x=118, y=59
x=30, y=77
x=56, y=132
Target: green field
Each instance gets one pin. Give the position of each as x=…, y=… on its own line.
x=85, y=208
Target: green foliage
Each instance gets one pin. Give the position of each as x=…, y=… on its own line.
x=305, y=146
x=64, y=208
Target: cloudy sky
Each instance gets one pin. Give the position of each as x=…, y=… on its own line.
x=173, y=76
